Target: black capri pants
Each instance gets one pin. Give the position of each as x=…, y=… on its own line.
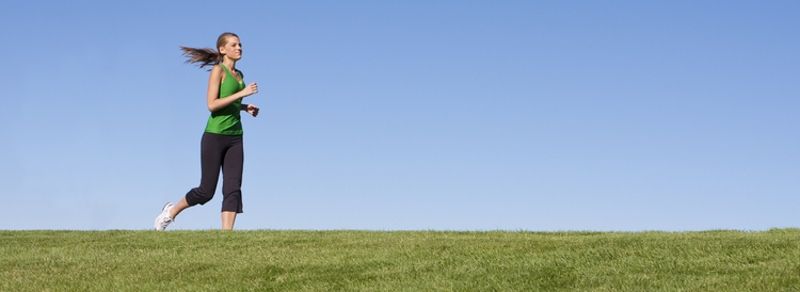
x=220, y=151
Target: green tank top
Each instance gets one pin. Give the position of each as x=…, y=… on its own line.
x=227, y=121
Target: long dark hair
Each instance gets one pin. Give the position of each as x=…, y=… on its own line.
x=207, y=57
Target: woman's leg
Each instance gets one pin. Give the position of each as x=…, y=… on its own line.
x=178, y=207
x=212, y=150
x=228, y=219
x=232, y=165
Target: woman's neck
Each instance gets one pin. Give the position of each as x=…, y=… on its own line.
x=231, y=64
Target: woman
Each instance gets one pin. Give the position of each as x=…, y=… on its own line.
x=221, y=145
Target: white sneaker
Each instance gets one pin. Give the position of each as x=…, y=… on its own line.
x=163, y=219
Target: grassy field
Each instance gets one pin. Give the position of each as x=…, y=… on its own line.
x=409, y=261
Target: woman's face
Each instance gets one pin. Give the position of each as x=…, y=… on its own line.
x=232, y=48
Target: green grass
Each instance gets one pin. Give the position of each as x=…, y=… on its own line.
x=408, y=261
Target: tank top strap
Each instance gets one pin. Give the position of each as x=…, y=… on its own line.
x=226, y=68
x=231, y=73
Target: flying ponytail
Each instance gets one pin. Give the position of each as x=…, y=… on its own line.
x=207, y=57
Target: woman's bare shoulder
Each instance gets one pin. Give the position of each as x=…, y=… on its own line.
x=216, y=72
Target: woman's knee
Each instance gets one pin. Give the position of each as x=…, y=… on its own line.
x=198, y=196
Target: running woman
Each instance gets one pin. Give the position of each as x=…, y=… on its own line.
x=221, y=144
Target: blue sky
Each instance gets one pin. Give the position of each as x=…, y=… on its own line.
x=395, y=115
